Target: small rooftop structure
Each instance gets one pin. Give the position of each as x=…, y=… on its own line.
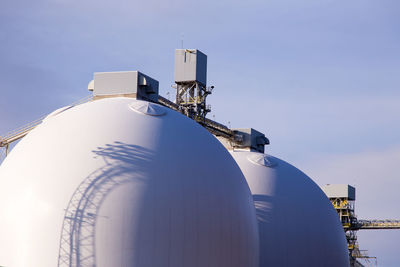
x=190, y=66
x=124, y=83
x=246, y=139
x=339, y=191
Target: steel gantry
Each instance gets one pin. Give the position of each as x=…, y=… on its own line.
x=77, y=243
x=213, y=127
x=16, y=134
x=343, y=198
x=79, y=222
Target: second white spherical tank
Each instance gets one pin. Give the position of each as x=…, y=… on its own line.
x=298, y=225
x=121, y=182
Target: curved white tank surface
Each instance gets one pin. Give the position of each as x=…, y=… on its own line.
x=297, y=223
x=121, y=182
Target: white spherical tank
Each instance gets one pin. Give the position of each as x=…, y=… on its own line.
x=122, y=182
x=298, y=225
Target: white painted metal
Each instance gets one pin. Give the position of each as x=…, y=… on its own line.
x=143, y=190
x=298, y=225
x=147, y=108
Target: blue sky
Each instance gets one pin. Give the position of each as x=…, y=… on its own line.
x=320, y=78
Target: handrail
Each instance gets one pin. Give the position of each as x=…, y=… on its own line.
x=212, y=126
x=378, y=224
x=20, y=132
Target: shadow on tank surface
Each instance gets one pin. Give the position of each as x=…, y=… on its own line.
x=77, y=243
x=264, y=208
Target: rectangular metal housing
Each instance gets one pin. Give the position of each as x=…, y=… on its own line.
x=245, y=139
x=190, y=66
x=339, y=191
x=127, y=83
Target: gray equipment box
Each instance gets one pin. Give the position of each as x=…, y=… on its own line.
x=251, y=139
x=245, y=139
x=190, y=66
x=126, y=83
x=339, y=191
